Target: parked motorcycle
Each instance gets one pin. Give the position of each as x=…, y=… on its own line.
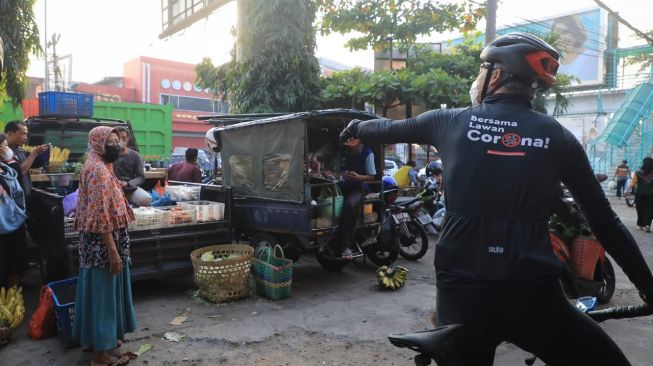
x=587, y=269
x=381, y=247
x=413, y=239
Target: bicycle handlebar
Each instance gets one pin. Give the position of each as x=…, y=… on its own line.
x=621, y=312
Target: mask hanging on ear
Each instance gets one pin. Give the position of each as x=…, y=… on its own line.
x=473, y=93
x=6, y=155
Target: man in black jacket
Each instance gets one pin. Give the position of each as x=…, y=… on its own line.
x=496, y=271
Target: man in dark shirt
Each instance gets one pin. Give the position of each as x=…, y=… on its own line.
x=186, y=171
x=494, y=249
x=130, y=172
x=17, y=133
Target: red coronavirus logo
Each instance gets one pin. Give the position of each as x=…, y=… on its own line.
x=510, y=139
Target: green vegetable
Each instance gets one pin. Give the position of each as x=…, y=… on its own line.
x=207, y=257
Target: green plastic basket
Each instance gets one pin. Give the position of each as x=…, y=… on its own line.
x=272, y=274
x=325, y=206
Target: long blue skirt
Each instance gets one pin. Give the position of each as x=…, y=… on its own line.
x=104, y=310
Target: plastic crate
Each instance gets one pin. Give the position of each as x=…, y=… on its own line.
x=177, y=216
x=148, y=219
x=69, y=227
x=63, y=294
x=65, y=104
x=184, y=193
x=206, y=210
x=30, y=107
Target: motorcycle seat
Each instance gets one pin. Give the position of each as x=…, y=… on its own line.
x=434, y=342
x=406, y=201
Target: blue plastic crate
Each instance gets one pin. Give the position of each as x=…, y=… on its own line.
x=56, y=103
x=63, y=294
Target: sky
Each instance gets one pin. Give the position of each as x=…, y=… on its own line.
x=101, y=35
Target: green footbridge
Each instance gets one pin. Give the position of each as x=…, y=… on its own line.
x=629, y=134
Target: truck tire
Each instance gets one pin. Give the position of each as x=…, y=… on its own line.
x=263, y=240
x=330, y=263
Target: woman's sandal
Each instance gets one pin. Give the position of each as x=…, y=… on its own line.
x=121, y=360
x=89, y=349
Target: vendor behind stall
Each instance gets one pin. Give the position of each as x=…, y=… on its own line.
x=16, y=132
x=130, y=172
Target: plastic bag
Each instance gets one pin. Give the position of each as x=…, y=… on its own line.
x=160, y=200
x=70, y=203
x=42, y=323
x=612, y=185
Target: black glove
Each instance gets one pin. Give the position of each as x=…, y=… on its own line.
x=351, y=131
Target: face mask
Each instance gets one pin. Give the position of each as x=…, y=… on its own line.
x=111, y=153
x=473, y=93
x=6, y=154
x=123, y=144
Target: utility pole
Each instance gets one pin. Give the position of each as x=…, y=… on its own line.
x=625, y=22
x=491, y=21
x=45, y=42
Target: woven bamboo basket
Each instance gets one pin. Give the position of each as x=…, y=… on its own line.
x=55, y=167
x=5, y=335
x=227, y=279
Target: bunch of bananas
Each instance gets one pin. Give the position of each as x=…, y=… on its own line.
x=12, y=307
x=392, y=278
x=58, y=155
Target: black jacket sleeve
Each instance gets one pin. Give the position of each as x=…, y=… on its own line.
x=423, y=129
x=579, y=178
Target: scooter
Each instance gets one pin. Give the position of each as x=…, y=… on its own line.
x=587, y=269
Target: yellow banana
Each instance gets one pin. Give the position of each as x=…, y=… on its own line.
x=11, y=293
x=11, y=305
x=6, y=314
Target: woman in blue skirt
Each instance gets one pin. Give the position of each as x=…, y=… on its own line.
x=104, y=311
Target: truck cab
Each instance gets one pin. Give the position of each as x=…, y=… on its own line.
x=156, y=251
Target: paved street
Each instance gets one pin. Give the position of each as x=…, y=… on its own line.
x=331, y=319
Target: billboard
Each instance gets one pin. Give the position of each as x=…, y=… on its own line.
x=582, y=42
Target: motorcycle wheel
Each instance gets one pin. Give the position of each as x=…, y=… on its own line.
x=383, y=257
x=414, y=247
x=630, y=200
x=604, y=273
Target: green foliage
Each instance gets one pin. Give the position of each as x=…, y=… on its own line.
x=563, y=82
x=430, y=78
x=278, y=71
x=20, y=34
x=645, y=62
x=402, y=21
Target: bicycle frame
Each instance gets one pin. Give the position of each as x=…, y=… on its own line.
x=434, y=345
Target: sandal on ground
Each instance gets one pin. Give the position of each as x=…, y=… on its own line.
x=640, y=227
x=90, y=349
x=120, y=360
x=347, y=254
x=648, y=229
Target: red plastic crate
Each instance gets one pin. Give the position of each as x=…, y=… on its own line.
x=30, y=107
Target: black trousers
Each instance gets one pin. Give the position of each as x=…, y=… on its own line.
x=350, y=211
x=538, y=319
x=13, y=253
x=621, y=184
x=644, y=207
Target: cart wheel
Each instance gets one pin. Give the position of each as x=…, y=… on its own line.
x=330, y=263
x=261, y=241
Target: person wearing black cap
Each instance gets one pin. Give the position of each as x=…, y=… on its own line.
x=496, y=271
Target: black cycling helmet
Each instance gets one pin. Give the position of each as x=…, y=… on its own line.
x=531, y=60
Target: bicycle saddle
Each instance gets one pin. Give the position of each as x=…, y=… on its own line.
x=432, y=342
